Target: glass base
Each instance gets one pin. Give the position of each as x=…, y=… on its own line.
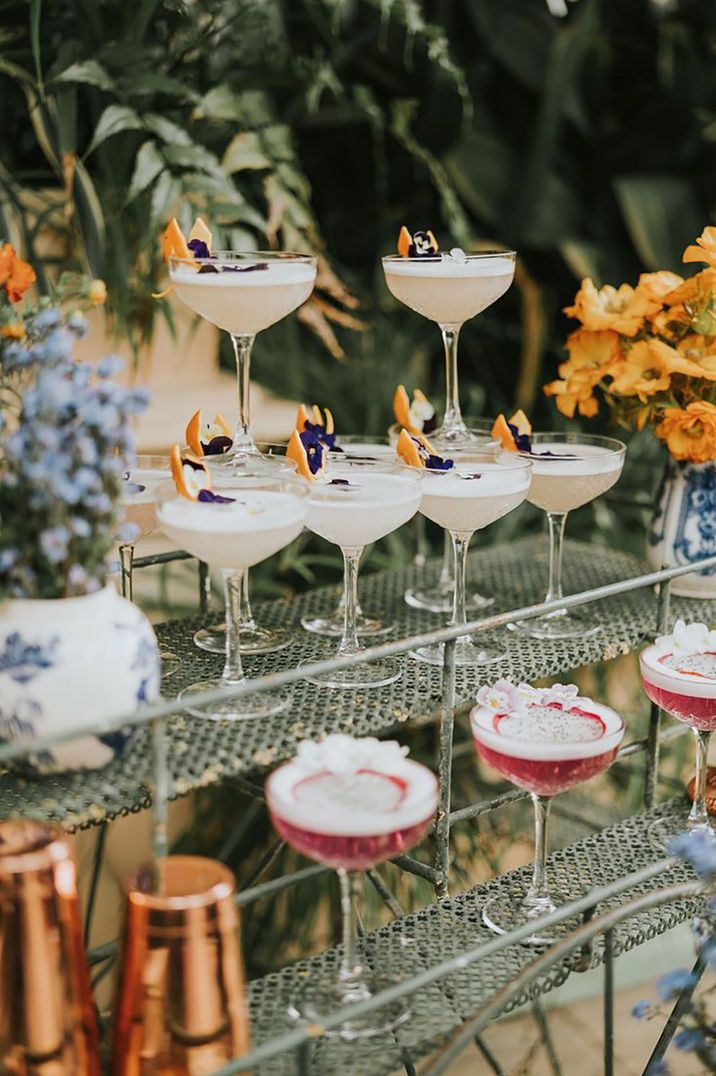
x=254, y=640
x=171, y=663
x=246, y=460
x=466, y=653
x=557, y=625
x=318, y=997
x=368, y=675
x=503, y=914
x=664, y=829
x=439, y=599
x=243, y=708
x=448, y=437
x=332, y=626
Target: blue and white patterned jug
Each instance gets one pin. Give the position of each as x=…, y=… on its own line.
x=683, y=526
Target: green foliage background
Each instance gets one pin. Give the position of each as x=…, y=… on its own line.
x=587, y=143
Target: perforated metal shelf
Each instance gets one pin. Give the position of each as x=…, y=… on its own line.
x=203, y=752
x=452, y=926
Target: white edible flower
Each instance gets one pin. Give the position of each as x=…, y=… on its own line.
x=341, y=754
x=421, y=411
x=565, y=694
x=686, y=638
x=502, y=697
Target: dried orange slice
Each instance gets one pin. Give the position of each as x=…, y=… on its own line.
x=302, y=456
x=405, y=242
x=316, y=418
x=174, y=243
x=502, y=433
x=200, y=434
x=190, y=474
x=520, y=420
x=408, y=450
x=201, y=232
x=401, y=406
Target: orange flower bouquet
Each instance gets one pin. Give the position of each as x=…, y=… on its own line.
x=650, y=352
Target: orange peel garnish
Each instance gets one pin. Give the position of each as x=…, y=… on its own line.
x=405, y=242
x=190, y=474
x=174, y=244
x=316, y=418
x=200, y=230
x=501, y=429
x=296, y=451
x=199, y=433
x=408, y=450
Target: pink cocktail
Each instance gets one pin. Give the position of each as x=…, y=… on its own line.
x=350, y=803
x=544, y=740
x=679, y=675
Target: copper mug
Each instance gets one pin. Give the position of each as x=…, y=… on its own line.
x=181, y=1001
x=47, y=1018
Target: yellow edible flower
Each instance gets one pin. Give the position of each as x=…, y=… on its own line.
x=647, y=369
x=655, y=286
x=569, y=400
x=14, y=331
x=704, y=250
x=97, y=293
x=622, y=309
x=690, y=433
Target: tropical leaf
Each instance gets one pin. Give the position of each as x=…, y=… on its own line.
x=245, y=151
x=148, y=165
x=661, y=215
x=114, y=120
x=89, y=72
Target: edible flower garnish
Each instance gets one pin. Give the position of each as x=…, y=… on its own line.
x=190, y=475
x=416, y=417
x=418, y=452
x=686, y=638
x=345, y=755
x=207, y=496
x=339, y=482
x=208, y=438
x=513, y=433
x=309, y=454
x=503, y=697
x=318, y=423
x=417, y=244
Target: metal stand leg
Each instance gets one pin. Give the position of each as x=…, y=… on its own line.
x=447, y=722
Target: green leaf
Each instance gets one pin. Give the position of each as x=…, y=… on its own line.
x=114, y=120
x=192, y=156
x=166, y=190
x=220, y=103
x=147, y=167
x=661, y=216
x=165, y=129
x=89, y=72
x=90, y=217
x=244, y=152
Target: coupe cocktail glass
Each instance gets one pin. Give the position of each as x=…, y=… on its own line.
x=243, y=293
x=359, y=449
x=350, y=804
x=450, y=290
x=544, y=740
x=364, y=501
x=439, y=597
x=265, y=516
x=679, y=674
x=470, y=496
x=568, y=470
x=139, y=499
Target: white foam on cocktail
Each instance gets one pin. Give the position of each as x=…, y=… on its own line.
x=549, y=733
x=472, y=495
x=689, y=674
x=372, y=449
x=235, y=535
x=493, y=266
x=568, y=459
x=361, y=804
x=372, y=505
x=245, y=302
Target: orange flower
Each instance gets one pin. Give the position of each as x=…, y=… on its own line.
x=15, y=330
x=622, y=309
x=698, y=288
x=593, y=352
x=647, y=369
x=700, y=353
x=690, y=433
x=654, y=286
x=705, y=249
x=569, y=400
x=15, y=274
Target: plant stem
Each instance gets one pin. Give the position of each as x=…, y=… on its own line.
x=699, y=815
x=452, y=420
x=556, y=521
x=233, y=582
x=243, y=441
x=349, y=641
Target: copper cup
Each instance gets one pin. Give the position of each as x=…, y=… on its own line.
x=47, y=1019
x=181, y=1002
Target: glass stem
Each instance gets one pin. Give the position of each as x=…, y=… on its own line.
x=538, y=893
x=698, y=815
x=461, y=544
x=126, y=560
x=349, y=641
x=233, y=585
x=243, y=441
x=447, y=569
x=350, y=970
x=556, y=522
x=452, y=419
x=247, y=617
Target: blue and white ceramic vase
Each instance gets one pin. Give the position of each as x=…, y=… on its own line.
x=683, y=526
x=72, y=661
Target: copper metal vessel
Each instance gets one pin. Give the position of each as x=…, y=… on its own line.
x=181, y=1001
x=47, y=1019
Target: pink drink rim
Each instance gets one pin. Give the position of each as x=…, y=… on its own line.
x=482, y=725
x=418, y=804
x=682, y=683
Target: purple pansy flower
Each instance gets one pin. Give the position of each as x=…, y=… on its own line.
x=207, y=496
x=314, y=450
